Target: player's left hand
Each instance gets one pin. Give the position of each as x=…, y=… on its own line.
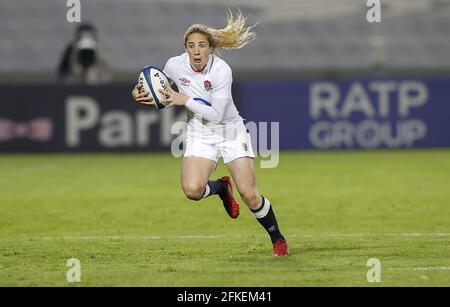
x=174, y=98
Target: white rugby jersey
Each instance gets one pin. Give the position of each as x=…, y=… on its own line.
x=209, y=90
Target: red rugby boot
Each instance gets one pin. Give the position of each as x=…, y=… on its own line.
x=280, y=248
x=230, y=204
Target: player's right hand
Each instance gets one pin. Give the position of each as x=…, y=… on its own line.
x=142, y=96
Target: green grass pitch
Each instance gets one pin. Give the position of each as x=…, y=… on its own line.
x=125, y=218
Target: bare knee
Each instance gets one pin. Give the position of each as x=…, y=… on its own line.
x=193, y=191
x=251, y=197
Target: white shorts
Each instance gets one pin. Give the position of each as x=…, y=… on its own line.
x=230, y=141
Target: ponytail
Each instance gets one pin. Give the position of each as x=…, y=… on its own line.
x=234, y=36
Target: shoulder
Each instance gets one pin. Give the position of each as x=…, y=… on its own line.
x=221, y=68
x=221, y=65
x=176, y=60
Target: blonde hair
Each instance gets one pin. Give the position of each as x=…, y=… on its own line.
x=234, y=36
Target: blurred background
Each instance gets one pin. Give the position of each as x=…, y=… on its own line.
x=331, y=78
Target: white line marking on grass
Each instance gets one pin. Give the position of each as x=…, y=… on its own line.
x=334, y=235
x=201, y=237
x=438, y=234
x=94, y=238
x=33, y=169
x=440, y=268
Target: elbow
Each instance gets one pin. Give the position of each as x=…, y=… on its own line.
x=216, y=118
x=219, y=114
x=221, y=117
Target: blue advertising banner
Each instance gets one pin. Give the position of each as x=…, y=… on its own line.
x=359, y=113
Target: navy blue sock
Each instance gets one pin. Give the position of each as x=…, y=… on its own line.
x=214, y=187
x=266, y=217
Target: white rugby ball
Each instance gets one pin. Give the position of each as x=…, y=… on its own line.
x=153, y=79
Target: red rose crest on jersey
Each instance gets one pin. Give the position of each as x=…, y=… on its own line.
x=184, y=81
x=208, y=86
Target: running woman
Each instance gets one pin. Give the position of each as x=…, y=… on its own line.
x=214, y=127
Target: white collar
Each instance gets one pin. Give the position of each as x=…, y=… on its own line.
x=204, y=70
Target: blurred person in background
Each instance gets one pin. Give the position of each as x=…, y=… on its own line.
x=84, y=61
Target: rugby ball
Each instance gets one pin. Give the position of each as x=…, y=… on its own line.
x=153, y=79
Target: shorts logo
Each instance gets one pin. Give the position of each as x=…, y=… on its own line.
x=184, y=81
x=244, y=145
x=208, y=86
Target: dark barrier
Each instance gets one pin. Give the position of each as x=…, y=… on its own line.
x=100, y=118
x=319, y=114
x=312, y=114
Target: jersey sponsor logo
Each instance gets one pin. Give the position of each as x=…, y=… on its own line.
x=208, y=86
x=184, y=81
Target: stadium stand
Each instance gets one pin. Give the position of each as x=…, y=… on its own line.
x=294, y=35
